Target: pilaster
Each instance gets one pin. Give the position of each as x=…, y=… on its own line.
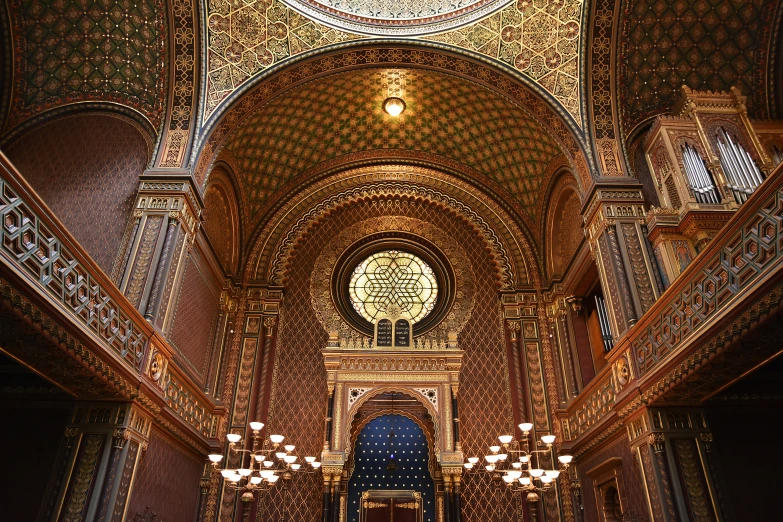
x=164, y=229
x=101, y=448
x=673, y=448
x=615, y=224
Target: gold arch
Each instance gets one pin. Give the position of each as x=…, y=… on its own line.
x=353, y=408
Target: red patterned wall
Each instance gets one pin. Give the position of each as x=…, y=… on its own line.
x=167, y=481
x=86, y=167
x=299, y=395
x=196, y=316
x=631, y=488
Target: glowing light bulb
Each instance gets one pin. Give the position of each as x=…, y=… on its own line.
x=394, y=106
x=276, y=439
x=548, y=439
x=526, y=426
x=214, y=457
x=234, y=437
x=505, y=439
x=256, y=426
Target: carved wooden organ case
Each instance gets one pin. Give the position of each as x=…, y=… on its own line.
x=705, y=159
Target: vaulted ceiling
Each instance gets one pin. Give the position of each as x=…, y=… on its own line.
x=447, y=119
x=151, y=59
x=704, y=44
x=71, y=51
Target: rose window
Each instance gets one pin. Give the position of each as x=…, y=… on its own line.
x=393, y=280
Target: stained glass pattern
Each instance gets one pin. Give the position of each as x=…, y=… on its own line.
x=393, y=278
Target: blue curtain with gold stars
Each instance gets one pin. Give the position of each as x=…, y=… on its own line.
x=375, y=449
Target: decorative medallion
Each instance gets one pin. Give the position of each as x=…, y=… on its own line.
x=396, y=18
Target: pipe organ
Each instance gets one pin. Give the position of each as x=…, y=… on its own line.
x=706, y=158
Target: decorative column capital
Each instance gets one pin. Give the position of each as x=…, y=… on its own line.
x=513, y=328
x=575, y=303
x=269, y=323
x=657, y=441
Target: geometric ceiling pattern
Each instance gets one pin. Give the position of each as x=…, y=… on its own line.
x=71, y=51
x=245, y=38
x=704, y=44
x=538, y=38
x=445, y=116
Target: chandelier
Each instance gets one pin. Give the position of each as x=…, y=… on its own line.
x=518, y=463
x=268, y=462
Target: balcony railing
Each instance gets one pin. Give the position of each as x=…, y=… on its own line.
x=723, y=279
x=38, y=251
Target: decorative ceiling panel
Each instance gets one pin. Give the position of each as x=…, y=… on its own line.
x=539, y=38
x=91, y=50
x=341, y=114
x=396, y=17
x=704, y=44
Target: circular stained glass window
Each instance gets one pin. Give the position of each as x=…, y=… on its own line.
x=393, y=279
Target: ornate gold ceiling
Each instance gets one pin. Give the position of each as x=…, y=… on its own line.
x=537, y=38
x=705, y=44
x=447, y=119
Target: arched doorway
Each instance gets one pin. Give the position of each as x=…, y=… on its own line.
x=391, y=453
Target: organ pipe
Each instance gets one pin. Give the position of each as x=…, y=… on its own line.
x=742, y=174
x=699, y=178
x=603, y=321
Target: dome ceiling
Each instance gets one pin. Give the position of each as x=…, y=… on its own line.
x=447, y=119
x=539, y=39
x=395, y=17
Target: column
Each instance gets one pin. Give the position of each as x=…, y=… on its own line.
x=93, y=475
x=557, y=311
x=447, y=498
x=457, y=499
x=326, y=501
x=336, y=479
x=165, y=224
x=629, y=276
x=672, y=446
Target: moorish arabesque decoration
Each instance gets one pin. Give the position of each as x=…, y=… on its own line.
x=97, y=50
x=539, y=39
x=445, y=117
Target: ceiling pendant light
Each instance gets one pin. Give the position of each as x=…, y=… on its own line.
x=394, y=106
